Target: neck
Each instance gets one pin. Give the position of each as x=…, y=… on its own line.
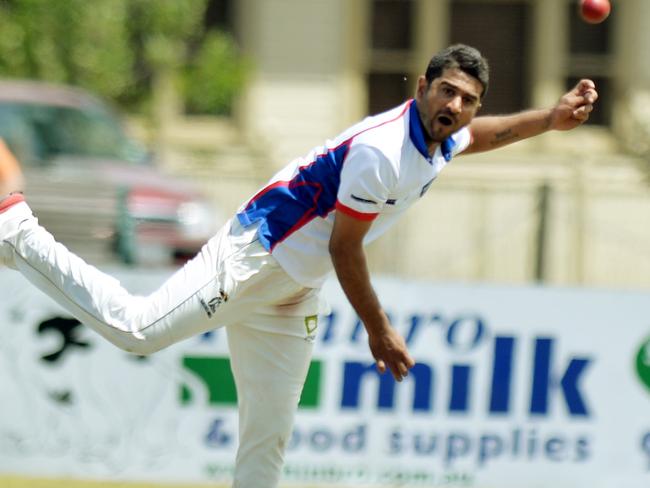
x=431, y=144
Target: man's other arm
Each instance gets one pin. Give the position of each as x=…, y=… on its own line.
x=349, y=260
x=571, y=110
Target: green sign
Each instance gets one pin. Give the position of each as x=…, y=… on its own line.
x=216, y=375
x=643, y=364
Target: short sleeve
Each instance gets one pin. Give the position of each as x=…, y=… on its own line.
x=366, y=179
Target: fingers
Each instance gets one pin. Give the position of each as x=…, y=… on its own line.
x=582, y=113
x=590, y=96
x=409, y=361
x=399, y=369
x=585, y=92
x=584, y=85
x=381, y=366
x=390, y=353
x=402, y=369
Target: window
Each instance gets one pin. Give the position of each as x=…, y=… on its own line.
x=390, y=54
x=499, y=30
x=219, y=15
x=391, y=24
x=386, y=90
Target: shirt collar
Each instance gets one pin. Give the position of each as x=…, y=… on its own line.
x=417, y=136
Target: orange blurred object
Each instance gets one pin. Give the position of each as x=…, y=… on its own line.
x=11, y=176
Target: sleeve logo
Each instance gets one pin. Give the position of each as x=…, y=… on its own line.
x=362, y=200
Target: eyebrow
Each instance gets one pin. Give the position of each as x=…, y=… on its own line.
x=456, y=87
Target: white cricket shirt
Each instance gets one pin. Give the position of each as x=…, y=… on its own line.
x=374, y=170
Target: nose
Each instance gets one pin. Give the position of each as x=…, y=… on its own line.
x=456, y=104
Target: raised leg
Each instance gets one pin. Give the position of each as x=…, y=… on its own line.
x=229, y=278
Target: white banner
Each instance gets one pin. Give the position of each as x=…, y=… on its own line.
x=514, y=386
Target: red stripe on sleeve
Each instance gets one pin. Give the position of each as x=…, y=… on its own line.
x=353, y=213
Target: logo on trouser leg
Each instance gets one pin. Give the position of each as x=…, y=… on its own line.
x=211, y=306
x=311, y=324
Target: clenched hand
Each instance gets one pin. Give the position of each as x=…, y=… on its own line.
x=574, y=107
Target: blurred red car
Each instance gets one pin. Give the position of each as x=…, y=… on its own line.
x=96, y=189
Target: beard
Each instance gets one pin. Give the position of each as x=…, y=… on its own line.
x=441, y=127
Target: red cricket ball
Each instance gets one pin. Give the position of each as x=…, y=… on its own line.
x=594, y=11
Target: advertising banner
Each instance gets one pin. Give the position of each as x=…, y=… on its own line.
x=513, y=386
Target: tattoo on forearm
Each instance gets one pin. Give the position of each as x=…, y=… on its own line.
x=503, y=136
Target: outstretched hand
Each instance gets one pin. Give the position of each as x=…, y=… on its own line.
x=574, y=107
x=390, y=352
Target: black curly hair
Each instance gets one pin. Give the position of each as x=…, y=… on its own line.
x=463, y=57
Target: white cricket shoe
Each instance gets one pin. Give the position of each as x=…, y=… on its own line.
x=13, y=212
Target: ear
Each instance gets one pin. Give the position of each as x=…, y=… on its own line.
x=421, y=88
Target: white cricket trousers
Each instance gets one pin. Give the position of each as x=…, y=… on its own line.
x=226, y=284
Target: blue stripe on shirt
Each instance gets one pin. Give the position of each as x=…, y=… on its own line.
x=284, y=207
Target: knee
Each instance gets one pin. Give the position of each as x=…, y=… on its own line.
x=267, y=423
x=138, y=344
x=145, y=347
